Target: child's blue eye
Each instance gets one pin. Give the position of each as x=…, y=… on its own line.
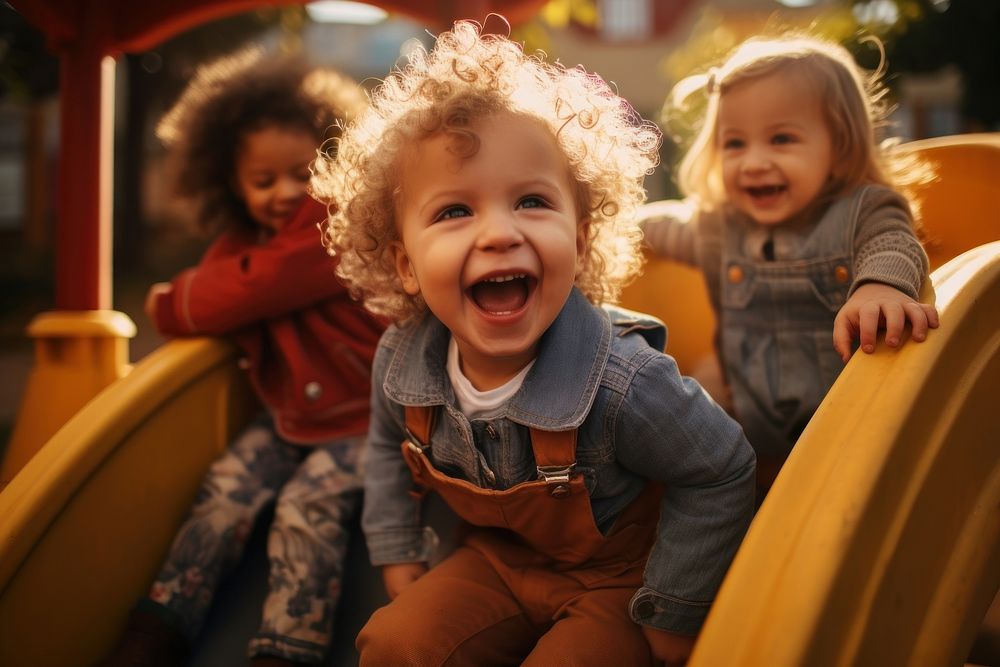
x=783, y=139
x=457, y=211
x=732, y=144
x=532, y=201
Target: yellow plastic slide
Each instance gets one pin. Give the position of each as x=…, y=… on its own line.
x=879, y=543
x=85, y=524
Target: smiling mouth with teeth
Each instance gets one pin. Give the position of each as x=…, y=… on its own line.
x=502, y=295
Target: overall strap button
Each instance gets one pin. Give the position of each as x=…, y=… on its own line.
x=560, y=491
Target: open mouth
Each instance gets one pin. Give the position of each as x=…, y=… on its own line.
x=504, y=294
x=764, y=191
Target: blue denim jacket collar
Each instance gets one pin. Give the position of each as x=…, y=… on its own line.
x=558, y=391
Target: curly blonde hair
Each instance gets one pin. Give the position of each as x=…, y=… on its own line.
x=235, y=95
x=852, y=100
x=469, y=75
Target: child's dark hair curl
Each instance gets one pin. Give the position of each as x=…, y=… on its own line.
x=233, y=96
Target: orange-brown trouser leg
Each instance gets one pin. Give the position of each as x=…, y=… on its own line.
x=593, y=630
x=459, y=614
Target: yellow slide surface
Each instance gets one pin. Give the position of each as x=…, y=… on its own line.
x=961, y=209
x=879, y=543
x=86, y=523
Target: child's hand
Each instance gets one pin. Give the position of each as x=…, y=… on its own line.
x=875, y=304
x=399, y=576
x=668, y=648
x=155, y=290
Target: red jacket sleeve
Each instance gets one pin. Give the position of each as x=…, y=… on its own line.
x=239, y=282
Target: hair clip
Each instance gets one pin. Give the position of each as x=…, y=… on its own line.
x=711, y=83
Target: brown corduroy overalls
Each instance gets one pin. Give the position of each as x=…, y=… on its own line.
x=533, y=582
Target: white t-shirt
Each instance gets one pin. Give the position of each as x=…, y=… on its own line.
x=474, y=403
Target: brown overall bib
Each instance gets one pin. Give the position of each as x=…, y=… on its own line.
x=533, y=581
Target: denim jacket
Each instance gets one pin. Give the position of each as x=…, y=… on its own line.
x=601, y=372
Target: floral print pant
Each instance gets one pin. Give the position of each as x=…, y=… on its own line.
x=318, y=490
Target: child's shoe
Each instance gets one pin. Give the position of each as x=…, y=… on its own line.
x=148, y=641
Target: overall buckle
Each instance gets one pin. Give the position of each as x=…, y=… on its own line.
x=556, y=474
x=558, y=477
x=414, y=443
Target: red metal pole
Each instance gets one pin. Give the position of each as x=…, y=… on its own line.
x=83, y=234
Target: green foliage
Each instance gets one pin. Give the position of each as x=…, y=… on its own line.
x=963, y=34
x=560, y=13
x=924, y=36
x=28, y=71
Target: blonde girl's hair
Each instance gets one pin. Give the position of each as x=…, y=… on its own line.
x=466, y=76
x=852, y=100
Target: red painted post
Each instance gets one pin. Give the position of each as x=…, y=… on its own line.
x=83, y=235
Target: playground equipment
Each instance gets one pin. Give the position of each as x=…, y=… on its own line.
x=89, y=518
x=879, y=543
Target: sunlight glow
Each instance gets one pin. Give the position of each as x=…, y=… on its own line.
x=876, y=12
x=339, y=11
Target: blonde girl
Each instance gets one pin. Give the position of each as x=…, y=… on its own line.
x=795, y=214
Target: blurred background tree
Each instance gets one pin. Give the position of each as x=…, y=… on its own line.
x=961, y=33
x=28, y=70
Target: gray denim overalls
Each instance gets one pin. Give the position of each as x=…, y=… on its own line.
x=777, y=320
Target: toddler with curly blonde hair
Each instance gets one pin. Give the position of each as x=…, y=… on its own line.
x=485, y=203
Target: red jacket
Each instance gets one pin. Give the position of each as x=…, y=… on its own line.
x=308, y=345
